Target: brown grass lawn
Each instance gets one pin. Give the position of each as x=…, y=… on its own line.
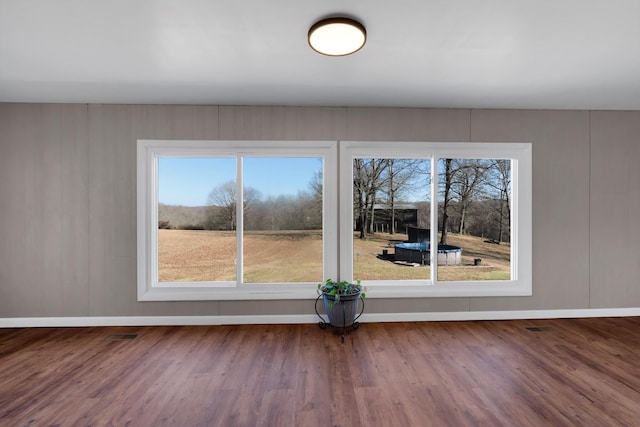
x=495, y=260
x=194, y=255
x=270, y=256
x=296, y=256
x=283, y=256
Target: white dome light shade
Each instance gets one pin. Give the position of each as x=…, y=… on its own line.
x=337, y=36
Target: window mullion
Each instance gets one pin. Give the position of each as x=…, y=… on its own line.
x=239, y=221
x=433, y=238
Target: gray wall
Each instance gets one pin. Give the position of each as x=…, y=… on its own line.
x=68, y=193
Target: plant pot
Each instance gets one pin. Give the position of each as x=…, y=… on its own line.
x=342, y=313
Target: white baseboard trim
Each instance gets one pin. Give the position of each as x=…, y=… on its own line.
x=36, y=322
x=501, y=315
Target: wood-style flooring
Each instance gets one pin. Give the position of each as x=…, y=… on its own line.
x=573, y=372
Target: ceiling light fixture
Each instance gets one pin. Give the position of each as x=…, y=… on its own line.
x=337, y=36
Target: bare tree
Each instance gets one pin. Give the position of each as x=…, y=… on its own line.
x=502, y=183
x=223, y=200
x=448, y=173
x=316, y=204
x=251, y=198
x=359, y=191
x=367, y=181
x=400, y=175
x=469, y=176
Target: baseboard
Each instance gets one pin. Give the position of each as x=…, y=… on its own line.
x=34, y=322
x=502, y=315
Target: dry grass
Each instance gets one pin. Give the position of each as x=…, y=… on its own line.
x=283, y=256
x=296, y=256
x=270, y=256
x=368, y=266
x=196, y=256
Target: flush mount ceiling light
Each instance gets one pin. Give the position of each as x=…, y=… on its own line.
x=337, y=36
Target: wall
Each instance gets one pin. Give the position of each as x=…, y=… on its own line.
x=68, y=191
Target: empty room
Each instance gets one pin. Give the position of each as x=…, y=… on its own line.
x=287, y=213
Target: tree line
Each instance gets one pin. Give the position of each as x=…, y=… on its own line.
x=302, y=211
x=474, y=197
x=282, y=212
x=473, y=194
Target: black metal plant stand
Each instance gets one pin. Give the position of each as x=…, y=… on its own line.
x=355, y=325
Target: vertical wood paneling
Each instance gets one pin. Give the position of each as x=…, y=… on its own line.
x=43, y=275
x=560, y=202
x=175, y=122
x=322, y=123
x=6, y=273
x=68, y=192
x=42, y=190
x=112, y=218
x=407, y=124
x=114, y=130
x=282, y=123
x=44, y=198
x=75, y=211
x=15, y=277
x=258, y=123
x=615, y=209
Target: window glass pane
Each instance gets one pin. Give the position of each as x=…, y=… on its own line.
x=282, y=212
x=196, y=219
x=474, y=217
x=391, y=202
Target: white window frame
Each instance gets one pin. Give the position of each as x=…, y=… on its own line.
x=148, y=153
x=337, y=217
x=521, y=218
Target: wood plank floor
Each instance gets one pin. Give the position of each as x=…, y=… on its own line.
x=579, y=372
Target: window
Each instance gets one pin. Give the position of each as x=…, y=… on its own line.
x=235, y=220
x=271, y=219
x=471, y=201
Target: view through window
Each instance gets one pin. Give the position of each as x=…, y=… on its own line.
x=391, y=207
x=268, y=219
x=474, y=221
x=281, y=227
x=189, y=250
x=392, y=217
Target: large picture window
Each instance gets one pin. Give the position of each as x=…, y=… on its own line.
x=229, y=220
x=470, y=202
x=271, y=219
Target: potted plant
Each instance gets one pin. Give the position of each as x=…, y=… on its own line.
x=341, y=303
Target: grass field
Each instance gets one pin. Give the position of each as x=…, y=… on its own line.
x=495, y=260
x=270, y=256
x=296, y=256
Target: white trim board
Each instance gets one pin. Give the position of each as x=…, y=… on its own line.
x=35, y=322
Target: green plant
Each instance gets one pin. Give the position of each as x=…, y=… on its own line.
x=340, y=289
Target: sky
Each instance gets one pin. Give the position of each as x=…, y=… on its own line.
x=189, y=181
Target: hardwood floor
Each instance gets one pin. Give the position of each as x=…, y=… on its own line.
x=580, y=372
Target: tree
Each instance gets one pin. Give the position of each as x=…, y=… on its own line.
x=500, y=183
x=251, y=200
x=223, y=201
x=400, y=174
x=367, y=181
x=448, y=181
x=314, y=211
x=469, y=176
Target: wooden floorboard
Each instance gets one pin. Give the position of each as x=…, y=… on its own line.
x=562, y=372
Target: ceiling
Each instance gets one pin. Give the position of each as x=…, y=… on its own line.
x=563, y=54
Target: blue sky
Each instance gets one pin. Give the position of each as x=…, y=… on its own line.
x=188, y=181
